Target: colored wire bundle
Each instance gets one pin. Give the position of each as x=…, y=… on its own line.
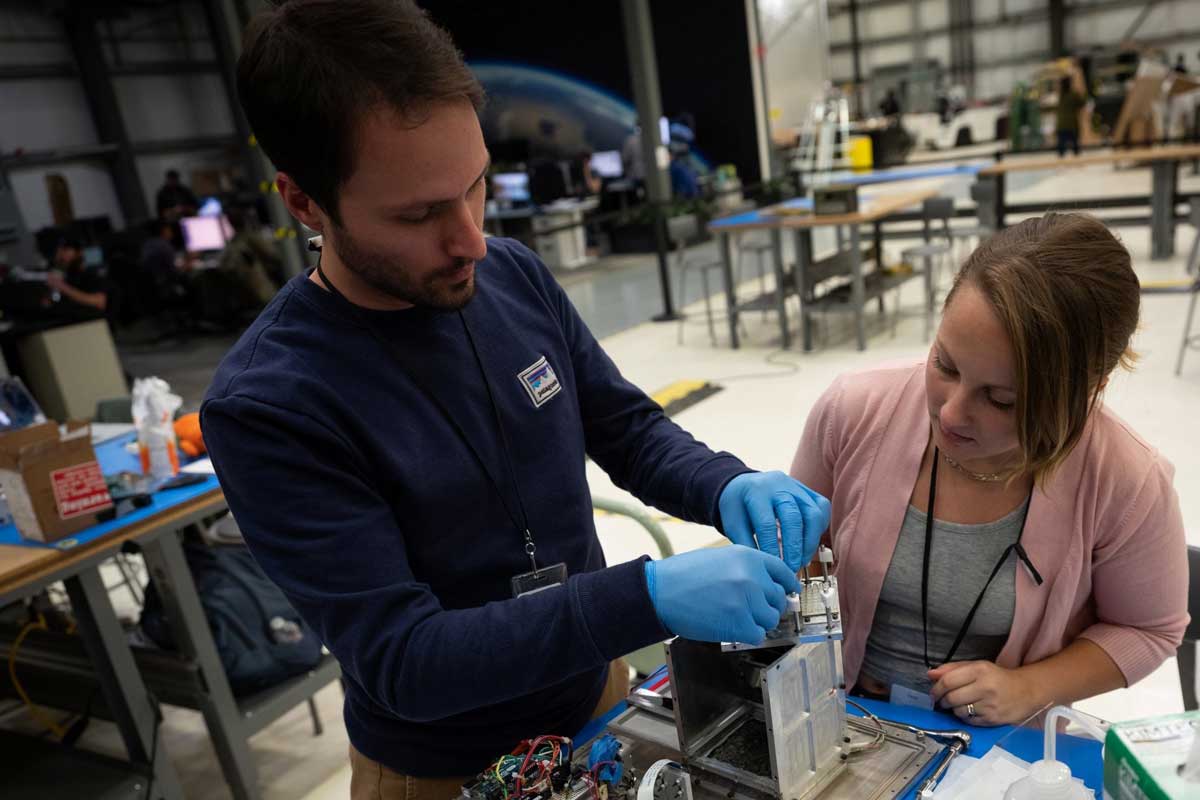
x=545, y=753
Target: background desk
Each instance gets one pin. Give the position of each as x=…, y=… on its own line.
x=26, y=570
x=910, y=173
x=874, y=206
x=1164, y=173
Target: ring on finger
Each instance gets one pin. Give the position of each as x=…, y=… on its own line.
x=970, y=709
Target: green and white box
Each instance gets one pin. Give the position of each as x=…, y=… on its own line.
x=1144, y=759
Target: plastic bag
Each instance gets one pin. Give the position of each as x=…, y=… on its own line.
x=154, y=410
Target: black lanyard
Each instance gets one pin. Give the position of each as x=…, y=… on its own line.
x=521, y=523
x=1015, y=547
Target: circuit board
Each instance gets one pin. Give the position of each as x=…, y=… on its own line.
x=546, y=768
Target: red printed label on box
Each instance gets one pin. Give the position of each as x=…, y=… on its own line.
x=80, y=490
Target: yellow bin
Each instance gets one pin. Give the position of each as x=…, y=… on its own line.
x=862, y=157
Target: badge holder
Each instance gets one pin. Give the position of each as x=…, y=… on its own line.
x=539, y=580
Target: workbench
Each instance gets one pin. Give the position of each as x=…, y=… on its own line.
x=1082, y=755
x=1164, y=174
x=28, y=568
x=874, y=206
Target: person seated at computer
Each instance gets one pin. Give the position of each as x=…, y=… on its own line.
x=159, y=258
x=82, y=288
x=161, y=265
x=251, y=260
x=1003, y=540
x=175, y=199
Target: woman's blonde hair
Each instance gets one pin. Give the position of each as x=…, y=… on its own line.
x=1064, y=288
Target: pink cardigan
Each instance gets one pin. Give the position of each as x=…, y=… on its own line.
x=1106, y=534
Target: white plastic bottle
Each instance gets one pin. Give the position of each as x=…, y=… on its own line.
x=1049, y=780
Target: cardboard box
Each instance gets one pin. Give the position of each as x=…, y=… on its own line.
x=53, y=483
x=1142, y=758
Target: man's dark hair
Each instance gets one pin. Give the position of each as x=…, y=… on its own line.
x=172, y=174
x=311, y=69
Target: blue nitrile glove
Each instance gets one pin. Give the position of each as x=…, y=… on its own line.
x=751, y=504
x=722, y=594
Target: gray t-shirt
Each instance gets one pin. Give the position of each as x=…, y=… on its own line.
x=960, y=561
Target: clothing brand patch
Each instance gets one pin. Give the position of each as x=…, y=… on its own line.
x=540, y=382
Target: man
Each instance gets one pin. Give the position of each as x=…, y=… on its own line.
x=157, y=258
x=889, y=106
x=175, y=199
x=1066, y=116
x=402, y=433
x=82, y=288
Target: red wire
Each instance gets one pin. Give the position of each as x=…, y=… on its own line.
x=533, y=746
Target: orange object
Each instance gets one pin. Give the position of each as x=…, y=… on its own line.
x=172, y=456
x=191, y=440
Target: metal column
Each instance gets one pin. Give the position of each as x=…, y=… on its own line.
x=1058, y=28
x=181, y=603
x=225, y=31
x=1164, y=177
x=84, y=39
x=858, y=288
x=856, y=58
x=136, y=712
x=804, y=260
x=785, y=334
x=639, y=46
x=725, y=243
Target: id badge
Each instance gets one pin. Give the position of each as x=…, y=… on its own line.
x=539, y=580
x=904, y=696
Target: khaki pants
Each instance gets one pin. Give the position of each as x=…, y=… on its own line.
x=370, y=780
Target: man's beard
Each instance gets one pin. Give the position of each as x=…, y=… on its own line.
x=386, y=275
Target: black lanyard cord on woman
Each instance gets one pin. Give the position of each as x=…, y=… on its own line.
x=1015, y=547
x=522, y=523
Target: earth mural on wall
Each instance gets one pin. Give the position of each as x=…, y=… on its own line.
x=558, y=115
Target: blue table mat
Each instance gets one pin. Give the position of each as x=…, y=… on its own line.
x=113, y=457
x=847, y=177
x=757, y=215
x=856, y=179
x=1082, y=755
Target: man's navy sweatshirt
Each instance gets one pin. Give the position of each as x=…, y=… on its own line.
x=360, y=498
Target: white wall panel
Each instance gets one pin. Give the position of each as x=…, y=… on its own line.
x=92, y=193
x=44, y=113
x=796, y=60
x=885, y=21
x=886, y=56
x=173, y=106
x=934, y=14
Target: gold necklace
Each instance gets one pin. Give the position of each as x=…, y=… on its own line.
x=986, y=477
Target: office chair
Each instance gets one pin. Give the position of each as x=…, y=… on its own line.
x=1186, y=654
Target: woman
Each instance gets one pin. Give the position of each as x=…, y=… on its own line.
x=1003, y=540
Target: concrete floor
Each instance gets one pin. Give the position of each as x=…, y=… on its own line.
x=759, y=415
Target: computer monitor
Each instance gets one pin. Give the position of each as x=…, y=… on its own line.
x=203, y=234
x=210, y=207
x=607, y=164
x=93, y=255
x=18, y=409
x=511, y=186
